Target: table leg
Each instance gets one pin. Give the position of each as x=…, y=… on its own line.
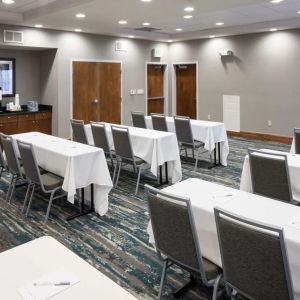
x=167, y=175
x=219, y=150
x=160, y=175
x=84, y=213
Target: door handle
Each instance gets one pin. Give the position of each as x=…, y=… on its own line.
x=96, y=101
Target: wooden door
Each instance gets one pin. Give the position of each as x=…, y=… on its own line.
x=155, y=93
x=97, y=91
x=186, y=95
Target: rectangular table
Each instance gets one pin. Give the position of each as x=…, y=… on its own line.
x=28, y=262
x=80, y=165
x=212, y=134
x=155, y=147
x=205, y=196
x=294, y=170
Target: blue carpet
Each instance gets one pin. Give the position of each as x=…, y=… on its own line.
x=117, y=244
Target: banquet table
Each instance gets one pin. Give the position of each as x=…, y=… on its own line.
x=155, y=147
x=294, y=171
x=80, y=165
x=212, y=134
x=205, y=196
x=26, y=263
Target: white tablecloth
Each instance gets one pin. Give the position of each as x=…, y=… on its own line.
x=80, y=165
x=207, y=132
x=28, y=262
x=205, y=196
x=294, y=169
x=155, y=147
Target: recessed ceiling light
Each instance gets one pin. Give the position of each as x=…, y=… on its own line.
x=189, y=9
x=122, y=22
x=212, y=36
x=131, y=36
x=179, y=29
x=8, y=1
x=80, y=15
x=298, y=12
x=219, y=23
x=77, y=30
x=188, y=17
x=38, y=26
x=146, y=24
x=170, y=41
x=146, y=0
x=276, y=1
x=273, y=29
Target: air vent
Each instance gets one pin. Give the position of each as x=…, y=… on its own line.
x=13, y=36
x=147, y=29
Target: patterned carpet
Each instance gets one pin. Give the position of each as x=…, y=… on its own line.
x=117, y=244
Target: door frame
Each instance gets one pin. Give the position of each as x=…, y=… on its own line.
x=174, y=94
x=166, y=85
x=94, y=60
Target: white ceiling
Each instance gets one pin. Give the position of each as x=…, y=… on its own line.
x=239, y=16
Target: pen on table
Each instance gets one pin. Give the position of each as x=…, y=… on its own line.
x=52, y=283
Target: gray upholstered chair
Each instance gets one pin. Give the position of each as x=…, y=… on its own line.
x=3, y=166
x=297, y=140
x=270, y=175
x=185, y=137
x=159, y=122
x=79, y=134
x=101, y=140
x=48, y=182
x=254, y=258
x=13, y=165
x=138, y=119
x=124, y=154
x=177, y=242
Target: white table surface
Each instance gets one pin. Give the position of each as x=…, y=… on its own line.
x=80, y=165
x=28, y=262
x=205, y=196
x=207, y=132
x=155, y=147
x=294, y=169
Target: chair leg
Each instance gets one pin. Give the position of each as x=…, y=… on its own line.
x=115, y=171
x=216, y=287
x=49, y=206
x=9, y=187
x=162, y=280
x=30, y=200
x=196, y=164
x=1, y=171
x=13, y=189
x=138, y=180
x=186, y=154
x=26, y=197
x=191, y=284
x=118, y=176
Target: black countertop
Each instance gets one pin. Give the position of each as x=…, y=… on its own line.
x=42, y=108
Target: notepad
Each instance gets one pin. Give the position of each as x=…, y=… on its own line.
x=48, y=285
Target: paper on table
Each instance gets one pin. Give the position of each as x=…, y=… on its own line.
x=222, y=197
x=43, y=292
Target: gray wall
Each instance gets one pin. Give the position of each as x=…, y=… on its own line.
x=28, y=84
x=264, y=72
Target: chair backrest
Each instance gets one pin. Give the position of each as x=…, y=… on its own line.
x=100, y=136
x=122, y=143
x=138, y=119
x=297, y=140
x=79, y=134
x=11, y=156
x=254, y=257
x=174, y=230
x=159, y=122
x=2, y=159
x=30, y=164
x=183, y=130
x=270, y=175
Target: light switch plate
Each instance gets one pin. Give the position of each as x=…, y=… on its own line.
x=132, y=92
x=140, y=92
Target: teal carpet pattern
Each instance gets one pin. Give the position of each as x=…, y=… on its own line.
x=117, y=244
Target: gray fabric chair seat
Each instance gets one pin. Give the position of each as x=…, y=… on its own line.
x=197, y=144
x=138, y=161
x=51, y=181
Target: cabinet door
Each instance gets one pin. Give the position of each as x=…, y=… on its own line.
x=9, y=128
x=26, y=126
x=44, y=126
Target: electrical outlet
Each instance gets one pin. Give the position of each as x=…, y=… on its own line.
x=269, y=123
x=208, y=117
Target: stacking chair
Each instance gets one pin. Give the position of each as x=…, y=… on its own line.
x=79, y=134
x=2, y=162
x=297, y=140
x=101, y=140
x=48, y=182
x=185, y=137
x=176, y=240
x=159, y=122
x=254, y=258
x=138, y=119
x=270, y=175
x=124, y=154
x=13, y=164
